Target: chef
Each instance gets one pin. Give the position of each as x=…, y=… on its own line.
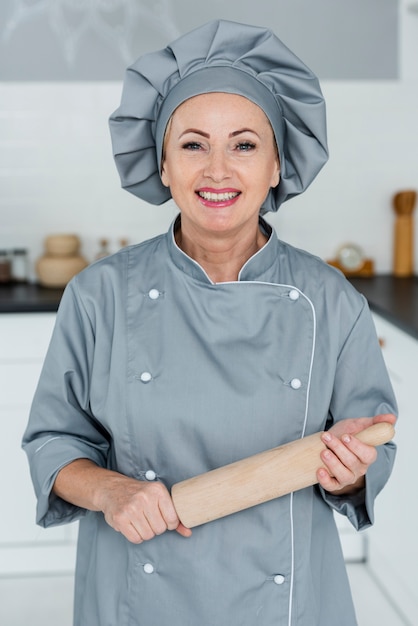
x=205, y=345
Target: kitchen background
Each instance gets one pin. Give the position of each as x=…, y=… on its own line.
x=56, y=168
x=61, y=67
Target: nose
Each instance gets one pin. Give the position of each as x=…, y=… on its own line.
x=217, y=166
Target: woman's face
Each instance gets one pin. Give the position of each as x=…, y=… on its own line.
x=220, y=161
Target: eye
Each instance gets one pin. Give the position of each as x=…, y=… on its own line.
x=245, y=146
x=192, y=145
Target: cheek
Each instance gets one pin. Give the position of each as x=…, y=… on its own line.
x=268, y=175
x=179, y=173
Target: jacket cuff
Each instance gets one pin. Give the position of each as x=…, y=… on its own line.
x=359, y=507
x=53, y=454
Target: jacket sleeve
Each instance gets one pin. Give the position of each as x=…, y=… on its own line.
x=362, y=389
x=61, y=427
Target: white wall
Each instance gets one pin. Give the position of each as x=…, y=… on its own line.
x=57, y=172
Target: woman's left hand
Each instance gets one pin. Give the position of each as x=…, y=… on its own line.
x=346, y=458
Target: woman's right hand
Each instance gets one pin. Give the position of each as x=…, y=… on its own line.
x=137, y=509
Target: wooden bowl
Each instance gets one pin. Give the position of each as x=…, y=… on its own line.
x=57, y=271
x=62, y=245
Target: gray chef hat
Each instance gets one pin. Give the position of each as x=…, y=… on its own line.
x=220, y=56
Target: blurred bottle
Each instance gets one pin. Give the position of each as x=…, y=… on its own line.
x=103, y=250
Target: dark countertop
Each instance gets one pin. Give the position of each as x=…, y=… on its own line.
x=395, y=299
x=28, y=298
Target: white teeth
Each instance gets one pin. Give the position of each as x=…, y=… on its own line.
x=218, y=197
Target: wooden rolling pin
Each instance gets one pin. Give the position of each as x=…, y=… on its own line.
x=403, y=254
x=258, y=478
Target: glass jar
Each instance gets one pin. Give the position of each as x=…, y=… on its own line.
x=5, y=267
x=20, y=265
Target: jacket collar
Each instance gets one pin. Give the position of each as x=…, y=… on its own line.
x=252, y=270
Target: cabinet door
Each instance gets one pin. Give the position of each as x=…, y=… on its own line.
x=393, y=547
x=25, y=336
x=24, y=547
x=353, y=543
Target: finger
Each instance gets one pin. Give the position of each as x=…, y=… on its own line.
x=155, y=512
x=343, y=465
x=326, y=481
x=350, y=450
x=130, y=532
x=357, y=425
x=155, y=521
x=134, y=525
x=168, y=513
x=365, y=453
x=133, y=534
x=122, y=524
x=143, y=528
x=340, y=473
x=341, y=452
x=183, y=531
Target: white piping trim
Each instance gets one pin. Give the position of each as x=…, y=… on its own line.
x=204, y=271
x=189, y=258
x=46, y=442
x=292, y=574
x=312, y=359
x=292, y=560
x=305, y=421
x=254, y=256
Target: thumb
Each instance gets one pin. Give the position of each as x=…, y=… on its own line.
x=385, y=417
x=183, y=531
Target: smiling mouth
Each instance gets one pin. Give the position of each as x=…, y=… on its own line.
x=211, y=196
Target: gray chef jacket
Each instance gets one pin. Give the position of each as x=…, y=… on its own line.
x=158, y=373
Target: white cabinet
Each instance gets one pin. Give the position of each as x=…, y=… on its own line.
x=393, y=545
x=24, y=547
x=353, y=542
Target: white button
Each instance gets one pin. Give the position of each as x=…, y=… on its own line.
x=294, y=294
x=295, y=383
x=148, y=568
x=154, y=294
x=279, y=579
x=145, y=377
x=150, y=475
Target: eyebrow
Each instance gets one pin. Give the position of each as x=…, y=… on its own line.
x=235, y=133
x=243, y=130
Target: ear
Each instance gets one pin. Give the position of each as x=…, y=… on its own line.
x=164, y=176
x=276, y=175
